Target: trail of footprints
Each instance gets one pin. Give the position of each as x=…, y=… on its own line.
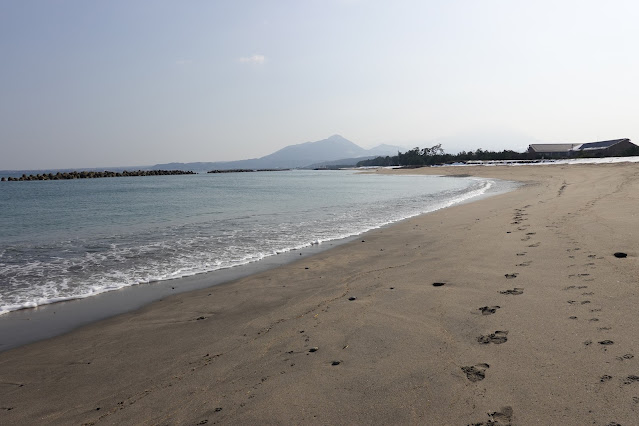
x=581, y=301
x=477, y=372
x=604, y=344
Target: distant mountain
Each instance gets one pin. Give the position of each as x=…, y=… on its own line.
x=303, y=155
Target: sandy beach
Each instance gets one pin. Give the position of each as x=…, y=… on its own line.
x=511, y=310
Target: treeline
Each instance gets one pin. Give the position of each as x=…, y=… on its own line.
x=95, y=175
x=436, y=155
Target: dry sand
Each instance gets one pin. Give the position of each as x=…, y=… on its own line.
x=287, y=346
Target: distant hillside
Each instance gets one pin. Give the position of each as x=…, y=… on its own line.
x=302, y=155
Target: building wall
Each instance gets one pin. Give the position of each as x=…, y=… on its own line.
x=615, y=150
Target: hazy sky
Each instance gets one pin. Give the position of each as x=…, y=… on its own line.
x=108, y=83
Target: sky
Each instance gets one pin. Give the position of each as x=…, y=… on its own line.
x=140, y=82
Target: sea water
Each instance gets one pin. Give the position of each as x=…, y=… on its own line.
x=71, y=239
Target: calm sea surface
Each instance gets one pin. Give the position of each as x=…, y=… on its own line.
x=62, y=240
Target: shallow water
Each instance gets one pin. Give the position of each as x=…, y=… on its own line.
x=62, y=240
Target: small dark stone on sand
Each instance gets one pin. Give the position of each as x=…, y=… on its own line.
x=573, y=317
x=200, y=318
x=218, y=409
x=314, y=349
x=352, y=298
x=605, y=378
x=438, y=284
x=606, y=342
x=392, y=288
x=336, y=362
x=620, y=255
x=97, y=409
x=510, y=276
x=306, y=268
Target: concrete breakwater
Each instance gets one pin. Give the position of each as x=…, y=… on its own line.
x=94, y=175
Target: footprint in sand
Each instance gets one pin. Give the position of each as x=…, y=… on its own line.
x=510, y=276
x=488, y=310
x=625, y=357
x=534, y=245
x=515, y=291
x=631, y=379
x=503, y=417
x=498, y=337
x=476, y=372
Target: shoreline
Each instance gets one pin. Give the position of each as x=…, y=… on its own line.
x=32, y=324
x=288, y=346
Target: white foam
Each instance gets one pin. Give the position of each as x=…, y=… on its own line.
x=115, y=267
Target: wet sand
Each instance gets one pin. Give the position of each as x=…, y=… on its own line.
x=513, y=309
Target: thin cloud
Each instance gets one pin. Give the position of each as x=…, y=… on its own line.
x=255, y=59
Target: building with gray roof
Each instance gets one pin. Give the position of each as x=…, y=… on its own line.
x=608, y=148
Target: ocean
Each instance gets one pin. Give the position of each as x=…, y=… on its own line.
x=63, y=240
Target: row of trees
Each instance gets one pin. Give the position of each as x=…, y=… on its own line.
x=436, y=155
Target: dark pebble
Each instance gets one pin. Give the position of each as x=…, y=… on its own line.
x=620, y=255
x=336, y=362
x=438, y=284
x=352, y=298
x=315, y=349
